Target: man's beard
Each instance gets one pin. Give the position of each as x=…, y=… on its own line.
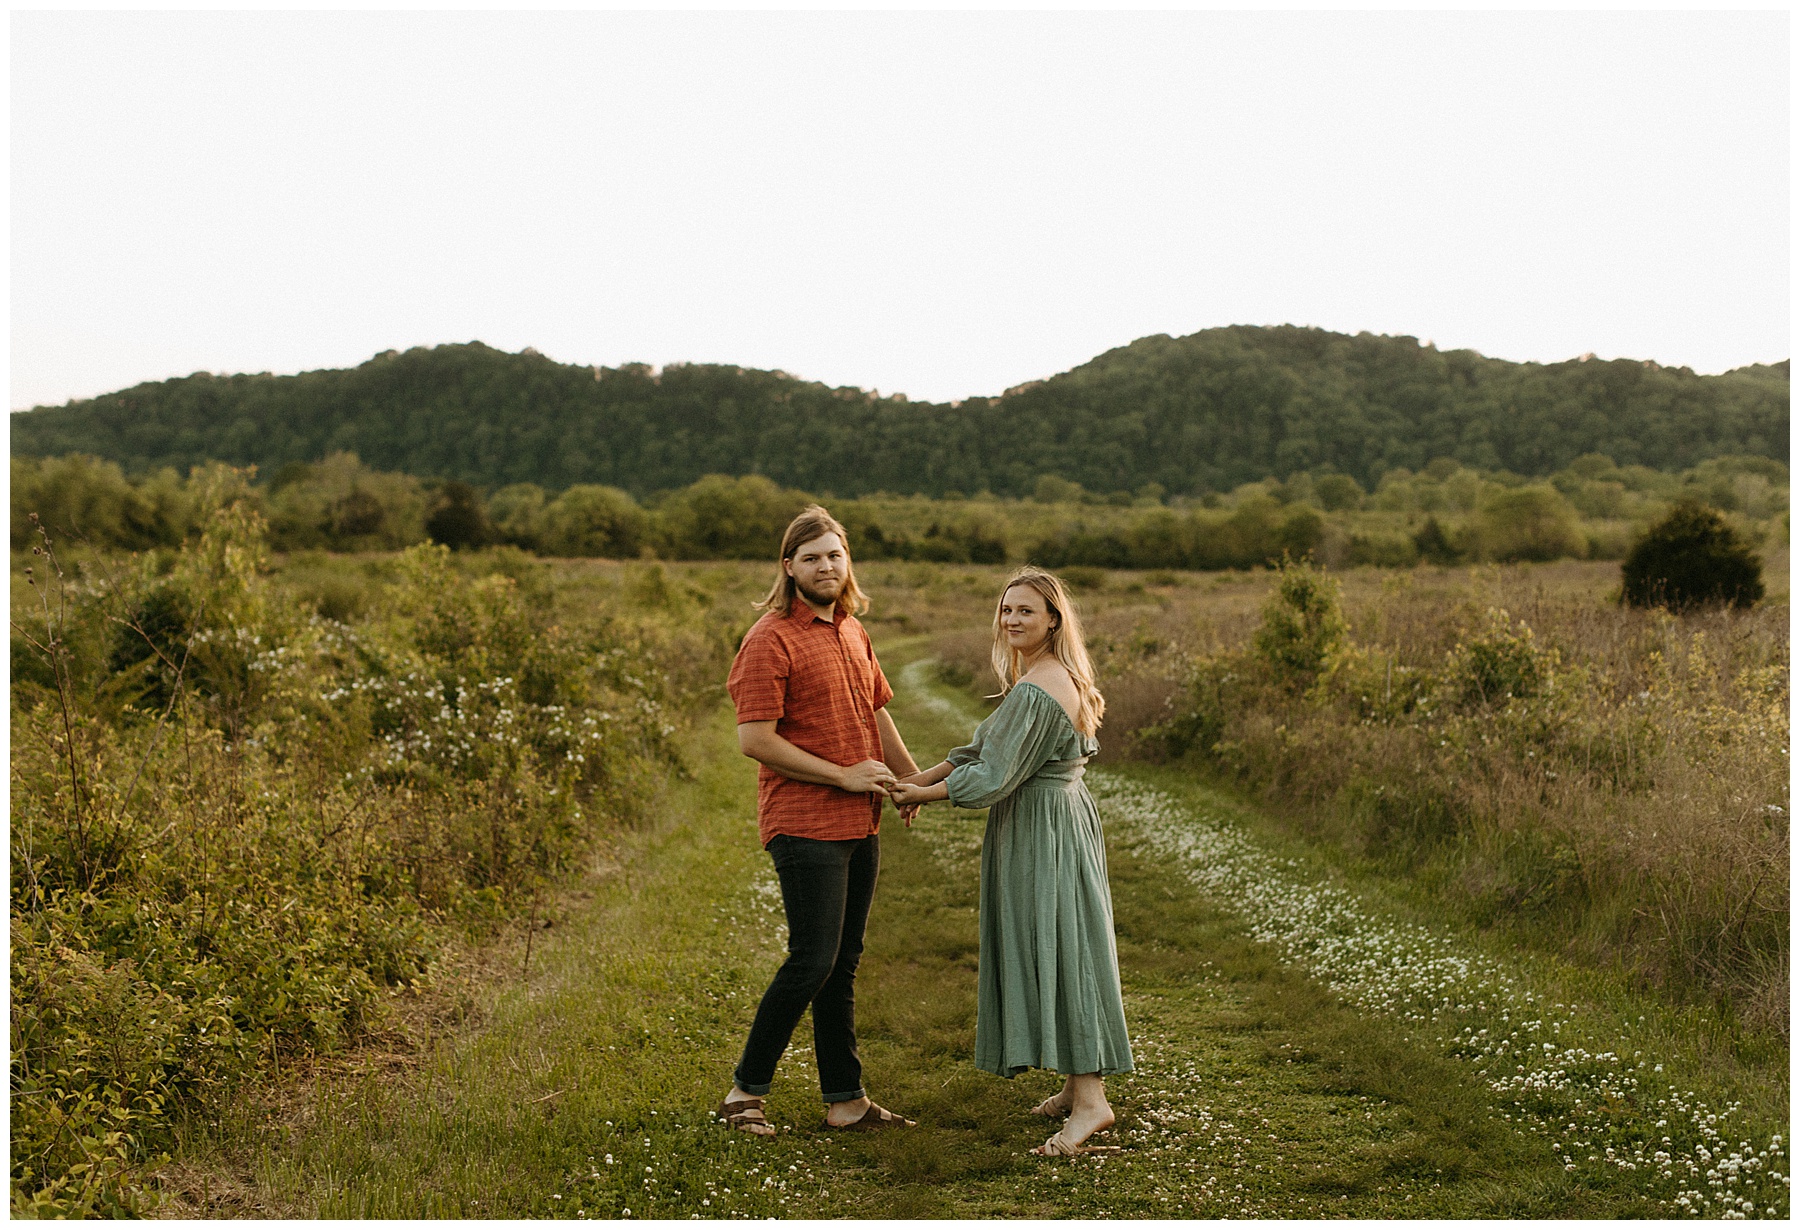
x=816, y=598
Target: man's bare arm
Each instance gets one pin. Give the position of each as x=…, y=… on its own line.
x=759, y=741
x=893, y=747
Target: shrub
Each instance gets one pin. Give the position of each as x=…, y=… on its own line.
x=594, y=521
x=1526, y=523
x=1434, y=545
x=727, y=518
x=517, y=512
x=1302, y=623
x=1383, y=550
x=1500, y=664
x=458, y=520
x=965, y=543
x=1054, y=489
x=83, y=498
x=1337, y=492
x=342, y=505
x=1692, y=557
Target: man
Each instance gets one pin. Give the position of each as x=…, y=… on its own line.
x=811, y=709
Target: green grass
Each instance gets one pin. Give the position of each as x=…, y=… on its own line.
x=587, y=1087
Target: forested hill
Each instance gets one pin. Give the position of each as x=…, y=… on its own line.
x=1202, y=412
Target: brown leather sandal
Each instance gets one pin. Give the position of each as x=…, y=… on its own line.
x=1049, y=1109
x=746, y=1115
x=873, y=1120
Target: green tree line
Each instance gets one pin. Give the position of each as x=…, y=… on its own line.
x=1190, y=415
x=1444, y=513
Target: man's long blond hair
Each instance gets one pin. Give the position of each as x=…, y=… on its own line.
x=813, y=522
x=1066, y=643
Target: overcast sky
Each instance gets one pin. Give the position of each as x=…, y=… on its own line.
x=935, y=204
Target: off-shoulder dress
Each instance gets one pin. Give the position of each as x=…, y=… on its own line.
x=1048, y=987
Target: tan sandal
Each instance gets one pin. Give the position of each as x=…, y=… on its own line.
x=746, y=1115
x=1049, y=1109
x=873, y=1120
x=1056, y=1146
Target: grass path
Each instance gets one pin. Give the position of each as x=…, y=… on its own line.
x=586, y=1091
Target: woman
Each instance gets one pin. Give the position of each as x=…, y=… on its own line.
x=1049, y=982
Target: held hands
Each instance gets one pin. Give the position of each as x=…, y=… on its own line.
x=872, y=776
x=912, y=792
x=909, y=794
x=868, y=777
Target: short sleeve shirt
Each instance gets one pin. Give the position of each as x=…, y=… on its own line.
x=818, y=681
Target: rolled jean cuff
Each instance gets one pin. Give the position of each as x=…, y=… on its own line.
x=858, y=1092
x=755, y=1091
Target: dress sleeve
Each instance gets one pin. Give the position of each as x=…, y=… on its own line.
x=1019, y=740
x=969, y=752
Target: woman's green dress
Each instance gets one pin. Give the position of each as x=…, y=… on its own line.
x=1049, y=980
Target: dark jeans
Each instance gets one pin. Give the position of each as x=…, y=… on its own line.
x=826, y=887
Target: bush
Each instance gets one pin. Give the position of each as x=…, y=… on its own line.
x=1691, y=558
x=340, y=504
x=91, y=501
x=727, y=518
x=1433, y=545
x=1303, y=623
x=1337, y=492
x=458, y=520
x=1383, y=550
x=1501, y=664
x=594, y=521
x=1054, y=489
x=517, y=512
x=965, y=543
x=1526, y=523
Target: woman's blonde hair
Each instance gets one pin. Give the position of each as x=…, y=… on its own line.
x=813, y=522
x=1067, y=645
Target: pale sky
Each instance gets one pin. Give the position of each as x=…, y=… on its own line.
x=939, y=204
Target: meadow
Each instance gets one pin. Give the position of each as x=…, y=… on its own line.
x=424, y=883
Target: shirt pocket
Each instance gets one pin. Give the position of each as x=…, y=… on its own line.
x=859, y=672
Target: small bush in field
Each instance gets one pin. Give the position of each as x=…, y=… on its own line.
x=458, y=519
x=1082, y=577
x=1691, y=558
x=1434, y=546
x=1338, y=491
x=1302, y=622
x=1372, y=683
x=1502, y=663
x=1201, y=719
x=593, y=521
x=1527, y=523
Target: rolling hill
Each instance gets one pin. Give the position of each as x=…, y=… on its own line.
x=1197, y=413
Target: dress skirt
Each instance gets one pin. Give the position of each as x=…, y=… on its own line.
x=1048, y=994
